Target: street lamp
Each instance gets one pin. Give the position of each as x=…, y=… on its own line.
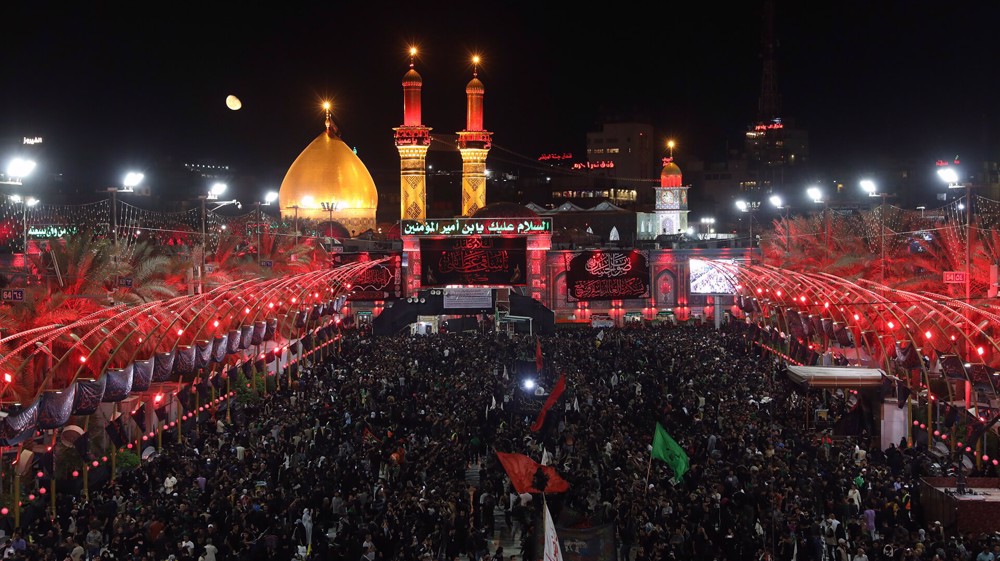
x=816, y=194
x=18, y=169
x=779, y=204
x=869, y=186
x=749, y=207
x=950, y=176
x=25, y=205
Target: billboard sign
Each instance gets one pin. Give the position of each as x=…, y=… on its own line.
x=473, y=260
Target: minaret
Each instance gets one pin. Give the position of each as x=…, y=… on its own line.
x=412, y=141
x=474, y=144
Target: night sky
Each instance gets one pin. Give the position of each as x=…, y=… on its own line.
x=138, y=85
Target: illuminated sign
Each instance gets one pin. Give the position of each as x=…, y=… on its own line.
x=477, y=226
x=768, y=126
x=51, y=231
x=594, y=165
x=563, y=156
x=32, y=140
x=946, y=163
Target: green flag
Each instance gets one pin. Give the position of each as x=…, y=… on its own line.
x=667, y=449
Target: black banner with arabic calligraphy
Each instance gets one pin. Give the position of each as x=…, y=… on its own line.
x=608, y=275
x=473, y=260
x=380, y=282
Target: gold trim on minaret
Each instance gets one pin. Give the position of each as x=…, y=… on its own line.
x=412, y=140
x=474, y=143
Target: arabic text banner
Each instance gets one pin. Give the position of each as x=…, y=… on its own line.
x=473, y=260
x=380, y=282
x=608, y=275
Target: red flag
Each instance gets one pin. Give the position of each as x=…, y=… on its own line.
x=553, y=397
x=538, y=354
x=521, y=470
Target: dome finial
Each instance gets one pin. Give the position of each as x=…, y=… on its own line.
x=475, y=66
x=413, y=53
x=331, y=128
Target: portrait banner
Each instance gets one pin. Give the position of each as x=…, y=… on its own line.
x=582, y=544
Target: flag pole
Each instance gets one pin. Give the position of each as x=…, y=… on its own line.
x=649, y=466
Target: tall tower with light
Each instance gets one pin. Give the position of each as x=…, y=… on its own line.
x=671, y=197
x=474, y=144
x=412, y=141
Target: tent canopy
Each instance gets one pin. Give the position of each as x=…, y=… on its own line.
x=836, y=376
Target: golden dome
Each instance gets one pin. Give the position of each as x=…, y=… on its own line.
x=671, y=175
x=329, y=174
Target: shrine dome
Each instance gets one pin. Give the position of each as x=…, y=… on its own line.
x=671, y=175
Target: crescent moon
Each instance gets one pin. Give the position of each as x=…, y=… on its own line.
x=233, y=103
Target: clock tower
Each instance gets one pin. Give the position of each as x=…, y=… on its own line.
x=671, y=200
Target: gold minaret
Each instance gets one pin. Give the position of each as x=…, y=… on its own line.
x=412, y=141
x=474, y=144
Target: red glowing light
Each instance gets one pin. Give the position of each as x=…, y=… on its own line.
x=40, y=475
x=158, y=398
x=293, y=299
x=104, y=458
x=916, y=423
x=760, y=290
x=246, y=310
x=826, y=304
x=4, y=511
x=778, y=292
x=980, y=350
x=129, y=446
x=270, y=304
x=31, y=497
x=95, y=463
x=145, y=437
x=180, y=331
x=968, y=449
x=215, y=323
x=937, y=433
x=802, y=299
x=892, y=325
x=83, y=359
x=76, y=473
x=856, y=317
x=927, y=334
x=8, y=378
x=42, y=490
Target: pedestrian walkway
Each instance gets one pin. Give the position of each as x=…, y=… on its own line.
x=503, y=536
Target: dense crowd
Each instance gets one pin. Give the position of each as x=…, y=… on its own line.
x=365, y=458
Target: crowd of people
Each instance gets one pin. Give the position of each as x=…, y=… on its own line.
x=365, y=458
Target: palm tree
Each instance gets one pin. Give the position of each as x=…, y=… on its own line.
x=153, y=274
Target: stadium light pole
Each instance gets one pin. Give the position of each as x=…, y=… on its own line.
x=749, y=208
x=779, y=204
x=872, y=189
x=269, y=198
x=131, y=181
x=816, y=194
x=950, y=176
